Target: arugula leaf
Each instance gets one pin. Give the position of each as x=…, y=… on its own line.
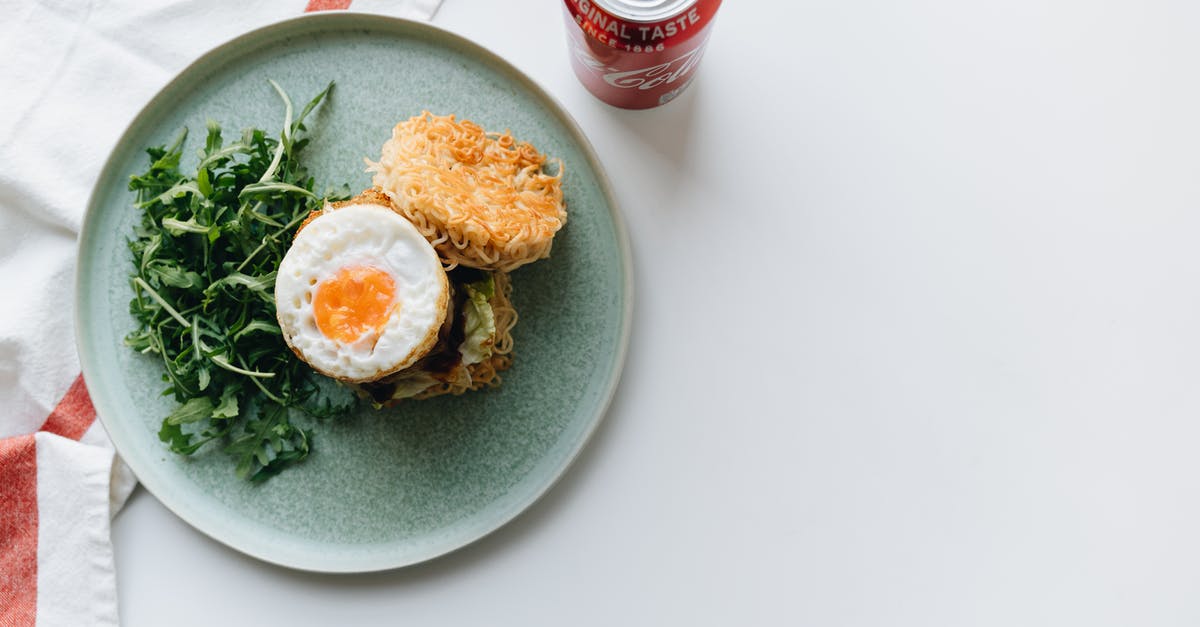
x=269, y=444
x=228, y=407
x=204, y=260
x=195, y=409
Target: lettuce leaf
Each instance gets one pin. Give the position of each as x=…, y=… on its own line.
x=408, y=386
x=480, y=322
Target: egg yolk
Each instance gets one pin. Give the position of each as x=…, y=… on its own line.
x=355, y=300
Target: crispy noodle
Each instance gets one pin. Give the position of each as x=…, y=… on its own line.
x=482, y=199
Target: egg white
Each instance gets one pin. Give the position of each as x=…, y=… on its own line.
x=362, y=235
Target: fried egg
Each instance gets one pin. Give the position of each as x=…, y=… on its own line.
x=360, y=294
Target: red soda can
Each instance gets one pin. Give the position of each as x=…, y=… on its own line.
x=637, y=54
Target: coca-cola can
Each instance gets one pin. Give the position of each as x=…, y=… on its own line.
x=637, y=54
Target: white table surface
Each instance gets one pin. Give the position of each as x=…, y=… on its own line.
x=915, y=341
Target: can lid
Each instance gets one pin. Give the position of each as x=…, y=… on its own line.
x=644, y=10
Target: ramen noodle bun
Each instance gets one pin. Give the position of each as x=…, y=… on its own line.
x=484, y=200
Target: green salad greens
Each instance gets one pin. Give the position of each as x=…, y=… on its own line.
x=480, y=326
x=205, y=257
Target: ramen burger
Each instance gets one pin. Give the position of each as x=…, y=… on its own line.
x=362, y=296
x=483, y=200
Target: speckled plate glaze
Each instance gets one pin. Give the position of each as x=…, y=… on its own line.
x=390, y=488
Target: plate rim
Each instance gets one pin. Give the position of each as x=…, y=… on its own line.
x=159, y=486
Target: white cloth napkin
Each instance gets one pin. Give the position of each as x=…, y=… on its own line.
x=74, y=75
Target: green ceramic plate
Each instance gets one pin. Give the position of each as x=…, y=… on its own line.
x=390, y=488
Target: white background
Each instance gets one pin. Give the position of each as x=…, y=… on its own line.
x=915, y=341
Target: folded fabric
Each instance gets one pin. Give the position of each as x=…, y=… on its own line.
x=60, y=487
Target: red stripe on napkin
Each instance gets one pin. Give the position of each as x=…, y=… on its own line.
x=74, y=413
x=326, y=5
x=19, y=505
x=18, y=531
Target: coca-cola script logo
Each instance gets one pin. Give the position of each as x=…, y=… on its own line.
x=644, y=78
x=655, y=75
